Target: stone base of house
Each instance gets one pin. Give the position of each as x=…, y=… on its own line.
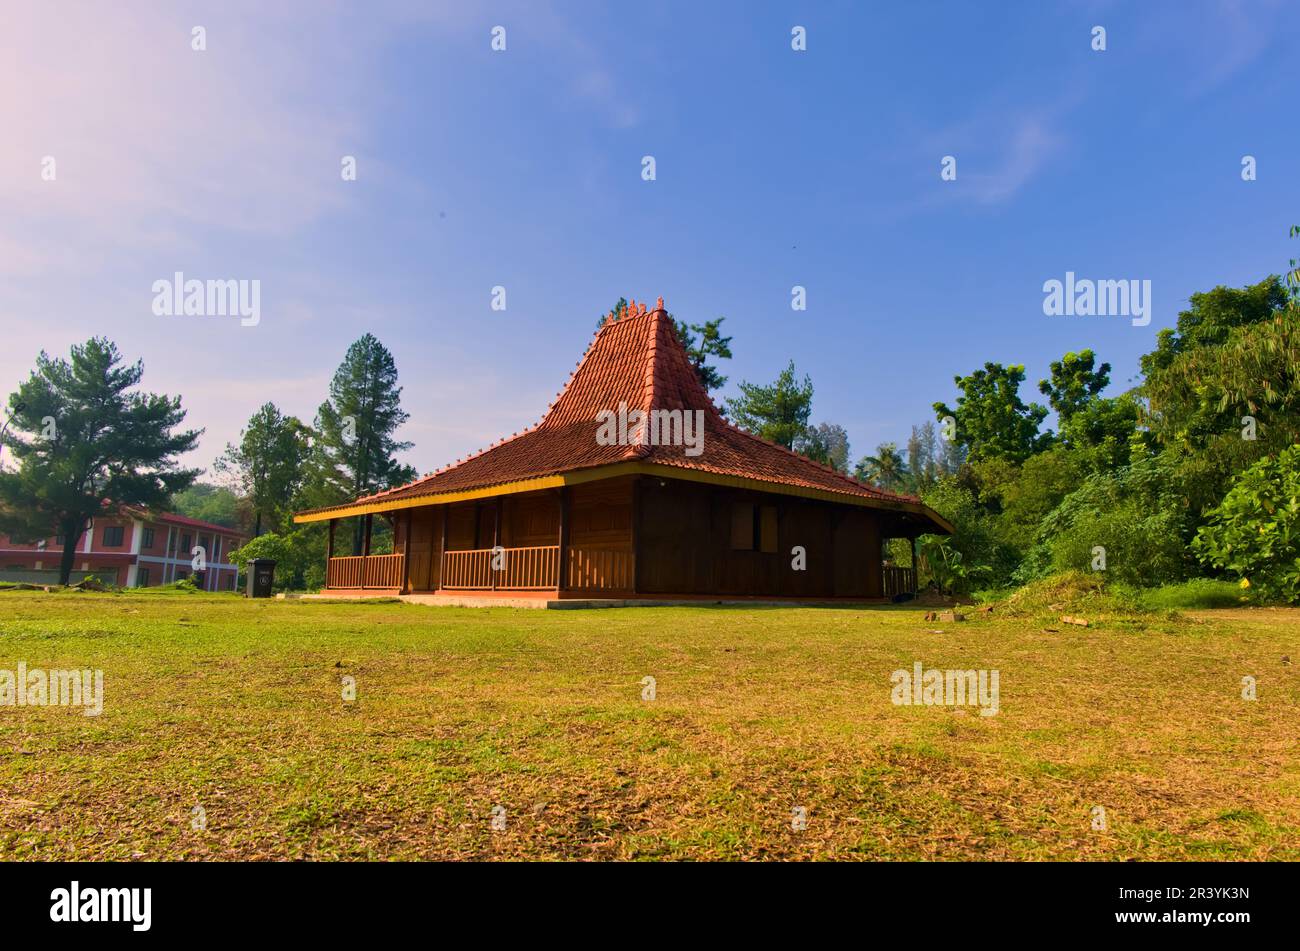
x=546, y=600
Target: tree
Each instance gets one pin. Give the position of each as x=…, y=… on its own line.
x=213, y=503
x=708, y=343
x=1255, y=532
x=1222, y=388
x=86, y=443
x=992, y=420
x=268, y=464
x=1074, y=382
x=778, y=413
x=924, y=462
x=885, y=469
x=827, y=443
x=354, y=446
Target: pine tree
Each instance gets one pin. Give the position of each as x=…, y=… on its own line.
x=355, y=449
x=87, y=444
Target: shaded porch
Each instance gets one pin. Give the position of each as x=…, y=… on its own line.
x=631, y=537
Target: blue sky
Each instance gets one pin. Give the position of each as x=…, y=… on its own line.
x=522, y=169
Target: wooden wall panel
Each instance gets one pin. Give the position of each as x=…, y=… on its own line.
x=461, y=527
x=531, y=520
x=857, y=554
x=424, y=544
x=600, y=514
x=675, y=538
x=807, y=524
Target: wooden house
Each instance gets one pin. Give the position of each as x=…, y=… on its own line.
x=633, y=486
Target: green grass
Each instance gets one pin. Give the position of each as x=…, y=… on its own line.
x=1196, y=595
x=236, y=706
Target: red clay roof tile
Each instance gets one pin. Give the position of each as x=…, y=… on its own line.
x=635, y=360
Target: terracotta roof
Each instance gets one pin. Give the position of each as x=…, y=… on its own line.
x=171, y=518
x=635, y=360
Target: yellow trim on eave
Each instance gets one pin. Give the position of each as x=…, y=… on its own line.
x=443, y=498
x=613, y=471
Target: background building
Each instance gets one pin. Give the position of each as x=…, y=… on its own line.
x=134, y=549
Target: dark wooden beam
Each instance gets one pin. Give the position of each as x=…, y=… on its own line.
x=562, y=579
x=406, y=553
x=442, y=545
x=636, y=534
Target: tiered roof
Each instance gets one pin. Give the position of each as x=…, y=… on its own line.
x=635, y=359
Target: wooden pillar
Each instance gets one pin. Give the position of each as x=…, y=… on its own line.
x=562, y=577
x=442, y=546
x=916, y=572
x=329, y=552
x=368, y=522
x=406, y=554
x=496, y=539
x=636, y=534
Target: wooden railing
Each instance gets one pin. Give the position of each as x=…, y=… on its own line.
x=365, y=571
x=899, y=580
x=483, y=569
x=596, y=568
x=508, y=569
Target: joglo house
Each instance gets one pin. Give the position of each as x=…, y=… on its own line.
x=633, y=486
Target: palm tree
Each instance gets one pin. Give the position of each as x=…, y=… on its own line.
x=886, y=468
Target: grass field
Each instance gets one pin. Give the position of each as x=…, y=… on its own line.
x=237, y=707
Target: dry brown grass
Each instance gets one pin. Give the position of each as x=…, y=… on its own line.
x=236, y=706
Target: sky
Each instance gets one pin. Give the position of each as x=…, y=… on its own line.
x=523, y=169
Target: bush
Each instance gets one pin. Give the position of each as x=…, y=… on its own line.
x=1255, y=532
x=1138, y=514
x=973, y=557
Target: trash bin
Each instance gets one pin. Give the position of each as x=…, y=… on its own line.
x=261, y=575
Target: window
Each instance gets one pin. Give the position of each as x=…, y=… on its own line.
x=230, y=582
x=753, y=527
x=147, y=540
x=142, y=577
x=113, y=536
x=60, y=540
x=185, y=544
x=742, y=526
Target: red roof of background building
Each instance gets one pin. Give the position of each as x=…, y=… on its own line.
x=170, y=518
x=634, y=359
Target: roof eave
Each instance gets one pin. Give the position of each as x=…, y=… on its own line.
x=612, y=471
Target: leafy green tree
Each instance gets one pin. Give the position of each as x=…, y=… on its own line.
x=289, y=555
x=1075, y=381
x=701, y=342
x=1102, y=432
x=355, y=445
x=886, y=469
x=1139, y=515
x=983, y=558
x=87, y=444
x=778, y=413
x=991, y=418
x=269, y=464
x=924, y=460
x=827, y=443
x=1255, y=532
x=1223, y=386
x=213, y=503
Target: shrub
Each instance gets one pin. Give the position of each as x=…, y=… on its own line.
x=1255, y=532
x=1138, y=514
